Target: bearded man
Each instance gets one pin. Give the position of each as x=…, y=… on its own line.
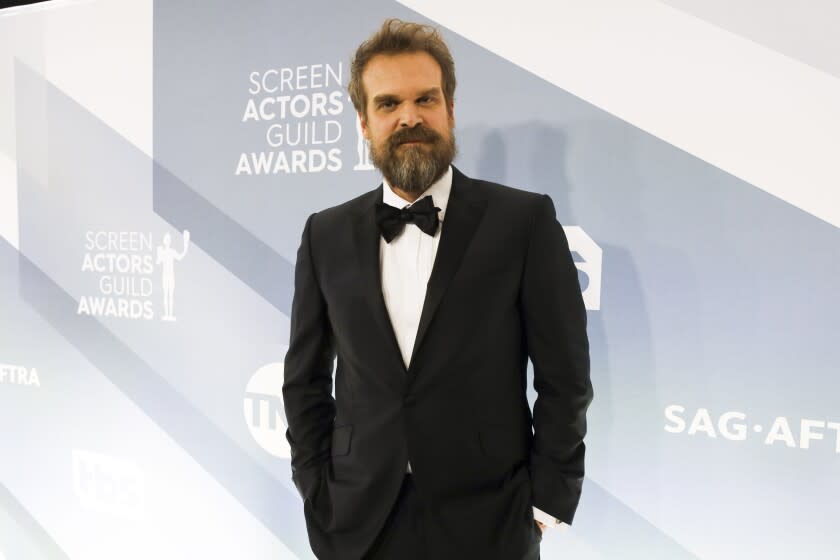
x=433, y=290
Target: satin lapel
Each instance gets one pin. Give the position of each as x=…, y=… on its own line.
x=463, y=213
x=366, y=240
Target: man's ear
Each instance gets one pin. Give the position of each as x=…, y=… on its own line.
x=363, y=124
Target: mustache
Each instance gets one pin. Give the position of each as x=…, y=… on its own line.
x=418, y=133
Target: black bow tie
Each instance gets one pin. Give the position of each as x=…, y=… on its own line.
x=391, y=220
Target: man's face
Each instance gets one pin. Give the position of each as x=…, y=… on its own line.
x=407, y=123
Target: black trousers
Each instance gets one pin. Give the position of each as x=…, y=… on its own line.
x=404, y=533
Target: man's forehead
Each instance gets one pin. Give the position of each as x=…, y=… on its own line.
x=403, y=68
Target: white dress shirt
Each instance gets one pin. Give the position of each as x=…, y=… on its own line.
x=406, y=265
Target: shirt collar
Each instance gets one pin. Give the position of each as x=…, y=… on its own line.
x=439, y=190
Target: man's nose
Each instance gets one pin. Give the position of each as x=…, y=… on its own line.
x=410, y=116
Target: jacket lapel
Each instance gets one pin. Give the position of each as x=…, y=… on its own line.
x=463, y=213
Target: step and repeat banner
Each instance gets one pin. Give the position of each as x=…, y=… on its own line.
x=146, y=286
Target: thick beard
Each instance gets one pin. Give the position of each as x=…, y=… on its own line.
x=411, y=168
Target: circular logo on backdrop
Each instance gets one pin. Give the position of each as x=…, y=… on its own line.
x=263, y=406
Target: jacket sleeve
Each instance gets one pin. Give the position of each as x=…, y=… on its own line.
x=554, y=319
x=308, y=381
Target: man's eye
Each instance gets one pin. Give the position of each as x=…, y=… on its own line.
x=387, y=104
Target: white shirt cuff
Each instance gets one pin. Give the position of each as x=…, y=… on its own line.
x=549, y=520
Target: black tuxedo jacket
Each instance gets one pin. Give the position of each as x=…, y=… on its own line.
x=503, y=287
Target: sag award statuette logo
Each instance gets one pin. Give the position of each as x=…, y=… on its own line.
x=123, y=263
x=166, y=256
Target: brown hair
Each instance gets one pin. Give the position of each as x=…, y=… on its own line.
x=397, y=36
